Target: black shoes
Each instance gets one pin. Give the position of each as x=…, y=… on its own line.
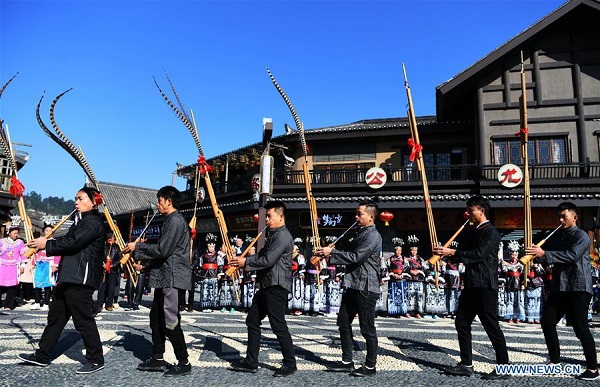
x=285, y=371
x=179, y=370
x=364, y=371
x=495, y=376
x=31, y=358
x=459, y=370
x=589, y=375
x=340, y=366
x=152, y=365
x=90, y=367
x=242, y=366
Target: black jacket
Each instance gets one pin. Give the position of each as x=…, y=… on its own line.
x=81, y=251
x=273, y=263
x=362, y=260
x=169, y=259
x=478, y=250
x=569, y=252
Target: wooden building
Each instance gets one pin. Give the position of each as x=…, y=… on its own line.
x=465, y=144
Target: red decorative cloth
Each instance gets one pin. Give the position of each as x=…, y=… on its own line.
x=204, y=167
x=98, y=198
x=416, y=148
x=522, y=131
x=16, y=187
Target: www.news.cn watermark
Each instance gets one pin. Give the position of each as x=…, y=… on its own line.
x=538, y=369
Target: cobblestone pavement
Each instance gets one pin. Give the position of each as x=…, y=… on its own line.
x=410, y=351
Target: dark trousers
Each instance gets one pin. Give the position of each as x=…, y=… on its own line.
x=361, y=303
x=37, y=292
x=71, y=300
x=134, y=293
x=483, y=303
x=106, y=290
x=158, y=326
x=11, y=292
x=575, y=306
x=271, y=302
x=26, y=290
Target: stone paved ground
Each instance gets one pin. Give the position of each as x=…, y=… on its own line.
x=411, y=352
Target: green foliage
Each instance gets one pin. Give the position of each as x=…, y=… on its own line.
x=51, y=205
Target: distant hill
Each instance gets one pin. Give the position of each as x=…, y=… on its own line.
x=51, y=205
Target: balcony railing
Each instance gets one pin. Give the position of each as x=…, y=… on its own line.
x=464, y=172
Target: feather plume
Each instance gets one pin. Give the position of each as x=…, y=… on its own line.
x=62, y=140
x=6, y=84
x=299, y=125
x=73, y=151
x=6, y=149
x=181, y=114
x=3, y=137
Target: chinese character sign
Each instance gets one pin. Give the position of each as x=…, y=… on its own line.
x=510, y=175
x=331, y=220
x=375, y=178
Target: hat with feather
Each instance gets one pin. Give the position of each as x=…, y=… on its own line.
x=398, y=241
x=413, y=241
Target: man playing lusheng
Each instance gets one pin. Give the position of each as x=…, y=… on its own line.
x=274, y=277
x=362, y=283
x=479, y=253
x=169, y=265
x=570, y=291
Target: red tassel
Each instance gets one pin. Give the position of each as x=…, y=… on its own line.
x=204, y=167
x=522, y=131
x=416, y=148
x=98, y=198
x=193, y=233
x=16, y=187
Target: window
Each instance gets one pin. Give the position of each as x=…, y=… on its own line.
x=542, y=150
x=437, y=166
x=341, y=173
x=344, y=152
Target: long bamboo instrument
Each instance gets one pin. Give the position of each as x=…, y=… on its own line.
x=310, y=198
x=416, y=154
x=63, y=141
x=30, y=251
x=524, y=136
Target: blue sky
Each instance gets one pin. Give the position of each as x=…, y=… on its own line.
x=338, y=61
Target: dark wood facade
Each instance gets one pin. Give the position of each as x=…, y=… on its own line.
x=464, y=145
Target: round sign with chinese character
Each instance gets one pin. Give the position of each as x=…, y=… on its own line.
x=375, y=178
x=201, y=195
x=255, y=182
x=510, y=175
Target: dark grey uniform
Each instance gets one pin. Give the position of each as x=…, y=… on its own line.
x=274, y=278
x=169, y=265
x=362, y=282
x=570, y=291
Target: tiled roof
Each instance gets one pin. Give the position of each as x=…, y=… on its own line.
x=122, y=199
x=358, y=126
x=515, y=42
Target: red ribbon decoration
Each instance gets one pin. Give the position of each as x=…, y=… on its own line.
x=98, y=198
x=193, y=233
x=16, y=187
x=204, y=167
x=522, y=131
x=416, y=148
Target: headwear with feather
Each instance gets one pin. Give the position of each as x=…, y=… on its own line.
x=514, y=246
x=397, y=241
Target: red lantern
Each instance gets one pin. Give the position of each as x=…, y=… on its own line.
x=386, y=216
x=255, y=217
